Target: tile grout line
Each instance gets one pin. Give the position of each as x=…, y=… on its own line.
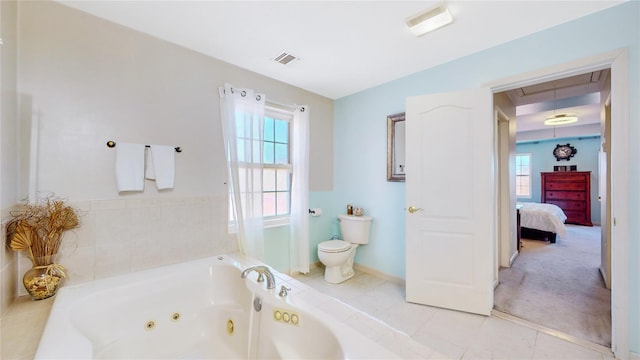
x=558, y=334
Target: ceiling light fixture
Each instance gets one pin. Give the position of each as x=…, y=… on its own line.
x=560, y=119
x=429, y=20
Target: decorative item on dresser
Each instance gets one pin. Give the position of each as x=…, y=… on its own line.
x=564, y=152
x=571, y=191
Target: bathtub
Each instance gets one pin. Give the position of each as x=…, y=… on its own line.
x=201, y=309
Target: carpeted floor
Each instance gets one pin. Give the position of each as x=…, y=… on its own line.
x=559, y=286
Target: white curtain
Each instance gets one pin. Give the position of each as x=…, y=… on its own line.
x=299, y=247
x=242, y=113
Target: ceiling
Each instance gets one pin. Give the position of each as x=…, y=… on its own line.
x=578, y=95
x=341, y=47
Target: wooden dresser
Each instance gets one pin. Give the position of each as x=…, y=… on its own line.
x=571, y=191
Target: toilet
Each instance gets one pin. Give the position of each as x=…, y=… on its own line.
x=337, y=255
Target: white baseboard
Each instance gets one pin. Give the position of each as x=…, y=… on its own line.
x=312, y=266
x=365, y=269
x=513, y=257
x=604, y=277
x=379, y=274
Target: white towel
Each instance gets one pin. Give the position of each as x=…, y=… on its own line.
x=161, y=166
x=130, y=167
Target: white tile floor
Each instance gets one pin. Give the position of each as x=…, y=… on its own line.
x=449, y=334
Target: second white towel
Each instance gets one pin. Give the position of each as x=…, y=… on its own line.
x=161, y=166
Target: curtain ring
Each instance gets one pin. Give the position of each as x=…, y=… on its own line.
x=243, y=93
x=302, y=109
x=231, y=90
x=258, y=97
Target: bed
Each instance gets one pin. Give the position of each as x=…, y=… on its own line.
x=542, y=220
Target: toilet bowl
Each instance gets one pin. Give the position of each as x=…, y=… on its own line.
x=338, y=255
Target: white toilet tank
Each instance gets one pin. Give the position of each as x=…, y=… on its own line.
x=355, y=229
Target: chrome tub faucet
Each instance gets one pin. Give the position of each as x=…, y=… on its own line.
x=263, y=272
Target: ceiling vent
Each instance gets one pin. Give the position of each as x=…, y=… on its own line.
x=285, y=58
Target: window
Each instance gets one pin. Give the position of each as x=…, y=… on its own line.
x=523, y=175
x=276, y=165
x=276, y=176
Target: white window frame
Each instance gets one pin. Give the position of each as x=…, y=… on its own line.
x=524, y=175
x=279, y=113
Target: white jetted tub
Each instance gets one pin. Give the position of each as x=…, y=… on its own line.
x=201, y=309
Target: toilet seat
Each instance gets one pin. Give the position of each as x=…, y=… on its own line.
x=334, y=246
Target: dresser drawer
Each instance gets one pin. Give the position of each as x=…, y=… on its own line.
x=574, y=216
x=568, y=176
x=568, y=205
x=565, y=195
x=565, y=185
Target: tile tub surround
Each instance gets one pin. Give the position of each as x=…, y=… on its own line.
x=8, y=270
x=125, y=235
x=22, y=327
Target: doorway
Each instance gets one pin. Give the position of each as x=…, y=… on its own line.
x=474, y=244
x=617, y=63
x=544, y=282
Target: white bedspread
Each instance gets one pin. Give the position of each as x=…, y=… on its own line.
x=545, y=217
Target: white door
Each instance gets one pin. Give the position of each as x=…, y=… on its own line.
x=450, y=200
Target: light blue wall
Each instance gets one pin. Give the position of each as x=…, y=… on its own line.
x=360, y=127
x=321, y=228
x=276, y=248
x=542, y=160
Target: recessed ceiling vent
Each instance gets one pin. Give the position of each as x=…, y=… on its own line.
x=285, y=58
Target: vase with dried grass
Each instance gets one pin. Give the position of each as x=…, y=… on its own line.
x=37, y=229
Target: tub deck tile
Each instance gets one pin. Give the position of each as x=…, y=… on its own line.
x=22, y=327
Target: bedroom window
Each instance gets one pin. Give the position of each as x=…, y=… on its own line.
x=523, y=175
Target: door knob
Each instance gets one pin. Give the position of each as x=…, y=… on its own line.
x=413, y=209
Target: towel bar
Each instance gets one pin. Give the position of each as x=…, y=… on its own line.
x=112, y=144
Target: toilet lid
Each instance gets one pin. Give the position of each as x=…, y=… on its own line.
x=334, y=246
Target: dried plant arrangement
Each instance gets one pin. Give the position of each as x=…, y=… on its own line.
x=37, y=229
